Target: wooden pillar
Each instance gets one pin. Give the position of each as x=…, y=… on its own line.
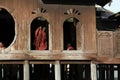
x=57, y=71
x=26, y=70
x=93, y=71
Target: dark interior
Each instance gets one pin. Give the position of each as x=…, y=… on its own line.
x=7, y=27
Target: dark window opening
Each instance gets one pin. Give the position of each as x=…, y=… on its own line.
x=69, y=33
x=108, y=72
x=42, y=72
x=39, y=34
x=11, y=72
x=75, y=72
x=7, y=28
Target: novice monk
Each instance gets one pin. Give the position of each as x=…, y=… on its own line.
x=40, y=39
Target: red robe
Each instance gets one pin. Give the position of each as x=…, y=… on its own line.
x=40, y=39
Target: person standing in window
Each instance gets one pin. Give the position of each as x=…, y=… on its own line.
x=40, y=39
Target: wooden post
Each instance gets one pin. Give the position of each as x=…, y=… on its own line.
x=93, y=71
x=26, y=70
x=57, y=71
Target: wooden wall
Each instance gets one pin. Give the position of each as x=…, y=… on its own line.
x=117, y=43
x=105, y=44
x=25, y=11
x=108, y=47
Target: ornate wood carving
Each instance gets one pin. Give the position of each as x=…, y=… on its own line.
x=39, y=10
x=72, y=11
x=105, y=44
x=117, y=42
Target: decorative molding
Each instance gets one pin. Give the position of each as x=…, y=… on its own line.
x=105, y=43
x=105, y=34
x=39, y=10
x=118, y=42
x=72, y=11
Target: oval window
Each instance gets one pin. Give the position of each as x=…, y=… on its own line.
x=7, y=28
x=39, y=34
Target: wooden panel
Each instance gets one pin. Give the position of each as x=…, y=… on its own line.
x=80, y=36
x=105, y=44
x=117, y=44
x=88, y=19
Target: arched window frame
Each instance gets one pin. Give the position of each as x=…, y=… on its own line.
x=79, y=36
x=49, y=40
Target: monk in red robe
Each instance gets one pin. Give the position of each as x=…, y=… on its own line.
x=40, y=39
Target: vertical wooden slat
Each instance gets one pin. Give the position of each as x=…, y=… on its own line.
x=93, y=71
x=57, y=71
x=26, y=70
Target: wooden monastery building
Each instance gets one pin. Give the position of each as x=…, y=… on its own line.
x=59, y=40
